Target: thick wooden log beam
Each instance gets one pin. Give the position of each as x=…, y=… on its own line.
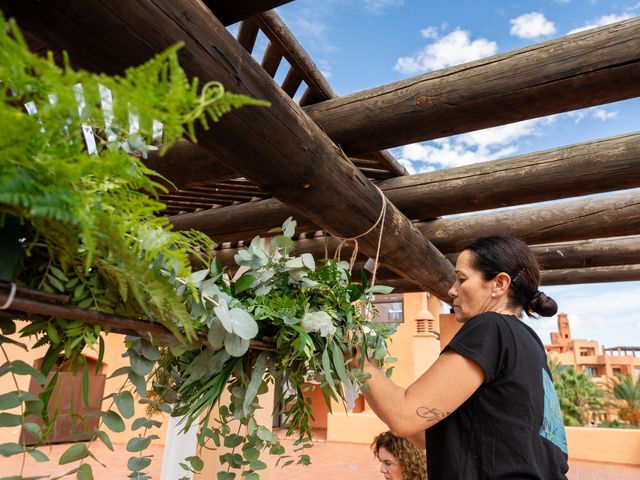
x=595, y=217
x=260, y=143
x=598, y=252
x=585, y=168
x=575, y=276
x=188, y=165
x=232, y=11
x=585, y=69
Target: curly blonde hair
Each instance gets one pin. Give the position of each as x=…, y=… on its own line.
x=413, y=462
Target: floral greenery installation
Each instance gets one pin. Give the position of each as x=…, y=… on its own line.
x=90, y=230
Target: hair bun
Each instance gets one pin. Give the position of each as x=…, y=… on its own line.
x=543, y=305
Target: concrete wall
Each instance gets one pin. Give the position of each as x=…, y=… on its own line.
x=614, y=445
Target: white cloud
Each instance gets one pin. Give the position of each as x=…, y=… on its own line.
x=430, y=32
x=599, y=22
x=452, y=49
x=532, y=25
x=377, y=6
x=599, y=113
x=562, y=2
x=468, y=148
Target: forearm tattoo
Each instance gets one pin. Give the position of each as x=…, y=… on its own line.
x=431, y=414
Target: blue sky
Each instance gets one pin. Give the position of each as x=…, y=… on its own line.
x=359, y=44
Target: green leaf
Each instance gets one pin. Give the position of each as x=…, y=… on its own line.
x=38, y=455
x=22, y=368
x=85, y=472
x=244, y=283
x=10, y=340
x=234, y=345
x=10, y=400
x=289, y=227
x=113, y=421
x=207, y=363
x=250, y=454
x=139, y=382
x=119, y=371
x=11, y=448
x=199, y=276
x=33, y=429
x=58, y=273
x=102, y=435
x=101, y=349
x=257, y=465
x=338, y=363
x=326, y=368
x=216, y=334
x=383, y=289
x=250, y=476
x=10, y=420
x=150, y=352
x=143, y=422
x=74, y=453
x=140, y=365
x=225, y=476
x=136, y=464
x=232, y=441
x=196, y=463
x=125, y=403
x=257, y=376
x=137, y=444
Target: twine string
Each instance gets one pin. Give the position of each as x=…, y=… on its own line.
x=12, y=295
x=354, y=254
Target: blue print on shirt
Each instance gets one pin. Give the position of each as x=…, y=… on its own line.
x=552, y=427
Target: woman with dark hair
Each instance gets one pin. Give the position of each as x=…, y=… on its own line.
x=399, y=458
x=487, y=404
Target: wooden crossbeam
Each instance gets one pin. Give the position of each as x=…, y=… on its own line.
x=259, y=142
x=595, y=217
x=585, y=168
x=581, y=70
x=597, y=252
x=622, y=273
x=232, y=11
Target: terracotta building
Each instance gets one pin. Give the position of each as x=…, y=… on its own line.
x=587, y=356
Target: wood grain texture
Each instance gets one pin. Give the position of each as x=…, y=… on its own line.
x=278, y=148
x=581, y=70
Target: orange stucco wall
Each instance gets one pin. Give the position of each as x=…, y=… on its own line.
x=615, y=445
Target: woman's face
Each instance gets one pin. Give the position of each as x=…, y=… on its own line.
x=471, y=293
x=389, y=465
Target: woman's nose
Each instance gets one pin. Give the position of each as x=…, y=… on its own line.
x=453, y=291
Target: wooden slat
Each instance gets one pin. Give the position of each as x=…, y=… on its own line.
x=232, y=11
x=272, y=58
x=581, y=70
x=585, y=168
x=292, y=82
x=321, y=182
x=247, y=34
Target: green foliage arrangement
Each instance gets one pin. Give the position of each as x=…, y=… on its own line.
x=581, y=399
x=87, y=210
x=626, y=396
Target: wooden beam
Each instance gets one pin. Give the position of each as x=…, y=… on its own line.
x=232, y=11
x=258, y=142
x=575, y=276
x=186, y=165
x=598, y=252
x=621, y=273
x=581, y=70
x=595, y=217
x=585, y=168
x=247, y=34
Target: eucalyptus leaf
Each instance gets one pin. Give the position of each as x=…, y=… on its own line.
x=125, y=403
x=207, y=363
x=22, y=368
x=225, y=476
x=138, y=444
x=257, y=376
x=113, y=421
x=140, y=365
x=382, y=289
x=102, y=435
x=145, y=422
x=10, y=420
x=289, y=227
x=199, y=276
x=216, y=334
x=222, y=312
x=11, y=448
x=136, y=464
x=139, y=382
x=234, y=345
x=74, y=453
x=150, y=352
x=243, y=324
x=196, y=463
x=85, y=472
x=37, y=455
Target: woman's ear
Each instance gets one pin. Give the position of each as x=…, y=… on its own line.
x=502, y=281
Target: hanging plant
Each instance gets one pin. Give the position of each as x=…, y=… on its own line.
x=71, y=175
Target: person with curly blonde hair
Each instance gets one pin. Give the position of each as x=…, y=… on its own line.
x=399, y=459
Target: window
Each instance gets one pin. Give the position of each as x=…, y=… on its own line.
x=591, y=371
x=390, y=308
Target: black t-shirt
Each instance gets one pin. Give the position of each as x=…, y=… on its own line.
x=511, y=427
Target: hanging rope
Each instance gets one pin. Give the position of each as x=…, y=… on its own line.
x=12, y=295
x=354, y=254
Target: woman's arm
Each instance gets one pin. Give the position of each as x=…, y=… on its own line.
x=449, y=382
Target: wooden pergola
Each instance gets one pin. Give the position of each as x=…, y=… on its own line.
x=319, y=157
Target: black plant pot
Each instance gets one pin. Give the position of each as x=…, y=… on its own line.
x=11, y=250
